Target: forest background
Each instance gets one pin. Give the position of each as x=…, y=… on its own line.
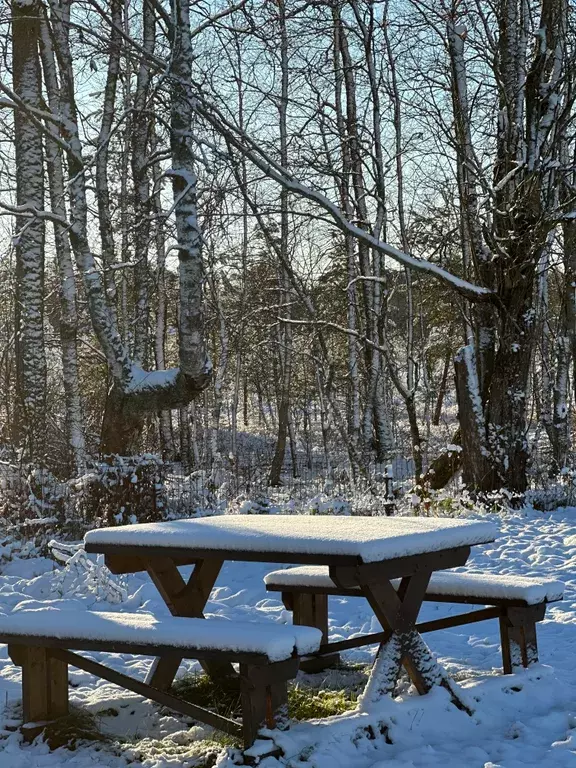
x=284, y=244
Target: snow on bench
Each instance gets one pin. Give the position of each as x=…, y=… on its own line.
x=530, y=590
x=276, y=642
x=368, y=538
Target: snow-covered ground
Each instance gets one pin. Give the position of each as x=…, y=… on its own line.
x=528, y=719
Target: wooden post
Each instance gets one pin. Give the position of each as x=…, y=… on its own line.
x=312, y=610
x=58, y=687
x=264, y=695
x=518, y=635
x=35, y=685
x=44, y=687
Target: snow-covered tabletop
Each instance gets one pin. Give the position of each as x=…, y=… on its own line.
x=367, y=539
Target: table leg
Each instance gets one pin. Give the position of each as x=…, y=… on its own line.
x=398, y=611
x=184, y=599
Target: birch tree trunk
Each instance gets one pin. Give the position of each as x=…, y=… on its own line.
x=68, y=325
x=142, y=128
x=30, y=412
x=102, y=158
x=136, y=391
x=164, y=416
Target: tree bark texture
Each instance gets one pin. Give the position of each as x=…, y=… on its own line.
x=30, y=414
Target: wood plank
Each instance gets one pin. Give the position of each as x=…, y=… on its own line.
x=254, y=712
x=530, y=650
x=505, y=646
x=58, y=687
x=143, y=649
x=470, y=617
x=120, y=564
x=143, y=689
x=264, y=696
x=347, y=577
x=312, y=610
x=384, y=673
x=163, y=671
x=188, y=554
x=353, y=642
x=35, y=685
x=426, y=626
x=259, y=674
x=185, y=599
x=430, y=597
x=397, y=610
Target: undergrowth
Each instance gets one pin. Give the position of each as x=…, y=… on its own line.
x=197, y=746
x=77, y=727
x=311, y=697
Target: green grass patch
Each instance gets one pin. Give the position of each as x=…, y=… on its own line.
x=307, y=699
x=78, y=726
x=305, y=703
x=202, y=690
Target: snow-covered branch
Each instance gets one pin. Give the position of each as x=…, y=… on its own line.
x=248, y=147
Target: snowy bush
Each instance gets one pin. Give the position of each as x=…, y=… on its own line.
x=326, y=505
x=193, y=495
x=126, y=489
x=82, y=576
x=33, y=505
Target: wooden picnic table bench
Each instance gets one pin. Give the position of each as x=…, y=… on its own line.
x=42, y=643
x=518, y=602
x=362, y=553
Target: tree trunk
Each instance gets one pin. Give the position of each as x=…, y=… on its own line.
x=30, y=412
x=164, y=416
x=476, y=468
x=442, y=389
x=68, y=325
x=142, y=128
x=284, y=329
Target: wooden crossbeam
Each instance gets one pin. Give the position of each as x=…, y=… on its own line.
x=470, y=617
x=427, y=626
x=184, y=599
x=143, y=689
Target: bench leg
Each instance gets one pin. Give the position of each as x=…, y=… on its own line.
x=518, y=636
x=311, y=610
x=264, y=696
x=44, y=685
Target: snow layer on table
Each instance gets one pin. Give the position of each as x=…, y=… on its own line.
x=369, y=538
x=511, y=587
x=277, y=642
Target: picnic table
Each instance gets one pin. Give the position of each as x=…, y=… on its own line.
x=364, y=553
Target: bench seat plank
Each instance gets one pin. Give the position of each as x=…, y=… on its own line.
x=446, y=584
x=96, y=630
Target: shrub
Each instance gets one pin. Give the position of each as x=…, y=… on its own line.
x=125, y=489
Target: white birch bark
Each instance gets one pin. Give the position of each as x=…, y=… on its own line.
x=67, y=287
x=135, y=390
x=142, y=127
x=164, y=417
x=30, y=415
x=102, y=158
